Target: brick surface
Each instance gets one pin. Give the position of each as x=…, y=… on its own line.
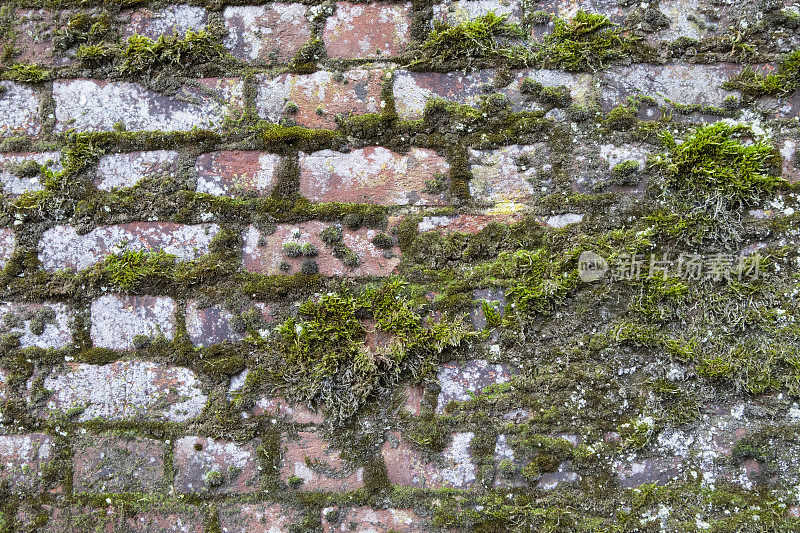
x=314, y=100
x=453, y=469
x=172, y=19
x=210, y=325
x=33, y=37
x=362, y=31
x=592, y=166
x=231, y=172
x=118, y=320
x=95, y=105
x=371, y=175
x=22, y=458
x=465, y=223
x=205, y=465
x=126, y=390
x=264, y=254
x=47, y=325
x=298, y=414
x=510, y=174
x=458, y=11
x=696, y=19
x=7, y=245
x=127, y=169
x=62, y=248
x=269, y=33
x=257, y=518
x=19, y=110
x=190, y=522
x=125, y=463
x=790, y=151
x=460, y=382
x=366, y=519
x=4, y=387
x=14, y=183
x=320, y=468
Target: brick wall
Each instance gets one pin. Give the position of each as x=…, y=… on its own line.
x=315, y=266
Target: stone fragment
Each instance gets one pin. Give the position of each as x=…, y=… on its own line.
x=513, y=173
x=563, y=220
x=62, y=248
x=314, y=100
x=366, y=520
x=125, y=463
x=210, y=325
x=209, y=466
x=365, y=31
x=271, y=33
x=19, y=110
x=46, y=325
x=4, y=387
x=470, y=224
x=16, y=179
x=126, y=390
x=257, y=518
x=371, y=175
x=231, y=172
x=454, y=469
x=790, y=151
x=460, y=382
x=117, y=320
x=454, y=12
x=175, y=19
x=127, y=169
x=309, y=464
x=264, y=253
x=99, y=105
x=23, y=459
x=8, y=242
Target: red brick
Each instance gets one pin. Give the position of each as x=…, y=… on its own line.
x=126, y=390
x=8, y=242
x=405, y=466
x=24, y=320
x=499, y=177
x=257, y=518
x=117, y=320
x=34, y=31
x=206, y=465
x=62, y=248
x=189, y=522
x=314, y=100
x=296, y=413
x=363, y=31
x=269, y=33
x=173, y=19
x=466, y=223
x=366, y=519
x=263, y=254
x=311, y=459
x=790, y=151
x=458, y=11
x=19, y=110
x=22, y=458
x=97, y=105
x=412, y=398
x=127, y=169
x=460, y=382
x=371, y=175
x=125, y=463
x=14, y=184
x=696, y=19
x=210, y=325
x=82, y=519
x=231, y=172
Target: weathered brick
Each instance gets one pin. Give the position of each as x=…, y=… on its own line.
x=510, y=174
x=310, y=458
x=97, y=105
x=118, y=320
x=210, y=325
x=22, y=459
x=264, y=254
x=124, y=463
x=457, y=11
x=33, y=37
x=4, y=392
x=231, y=172
x=19, y=110
x=695, y=19
x=13, y=182
x=172, y=19
x=257, y=518
x=126, y=390
x=567, y=8
x=127, y=169
x=508, y=467
x=206, y=465
x=366, y=519
x=80, y=519
x=189, y=522
x=62, y=248
x=465, y=223
x=363, y=31
x=460, y=382
x=592, y=166
x=563, y=220
x=314, y=100
x=405, y=466
x=8, y=242
x=684, y=84
x=47, y=325
x=371, y=175
x=296, y=413
x=270, y=33
x=790, y=151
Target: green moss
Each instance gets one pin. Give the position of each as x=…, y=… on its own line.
x=127, y=269
x=625, y=173
x=28, y=73
x=141, y=55
x=556, y=96
x=755, y=84
x=622, y=117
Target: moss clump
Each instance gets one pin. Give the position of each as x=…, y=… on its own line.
x=755, y=84
x=129, y=268
x=485, y=37
x=141, y=55
x=625, y=173
x=586, y=42
x=556, y=96
x=622, y=118
x=719, y=162
x=84, y=29
x=28, y=73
